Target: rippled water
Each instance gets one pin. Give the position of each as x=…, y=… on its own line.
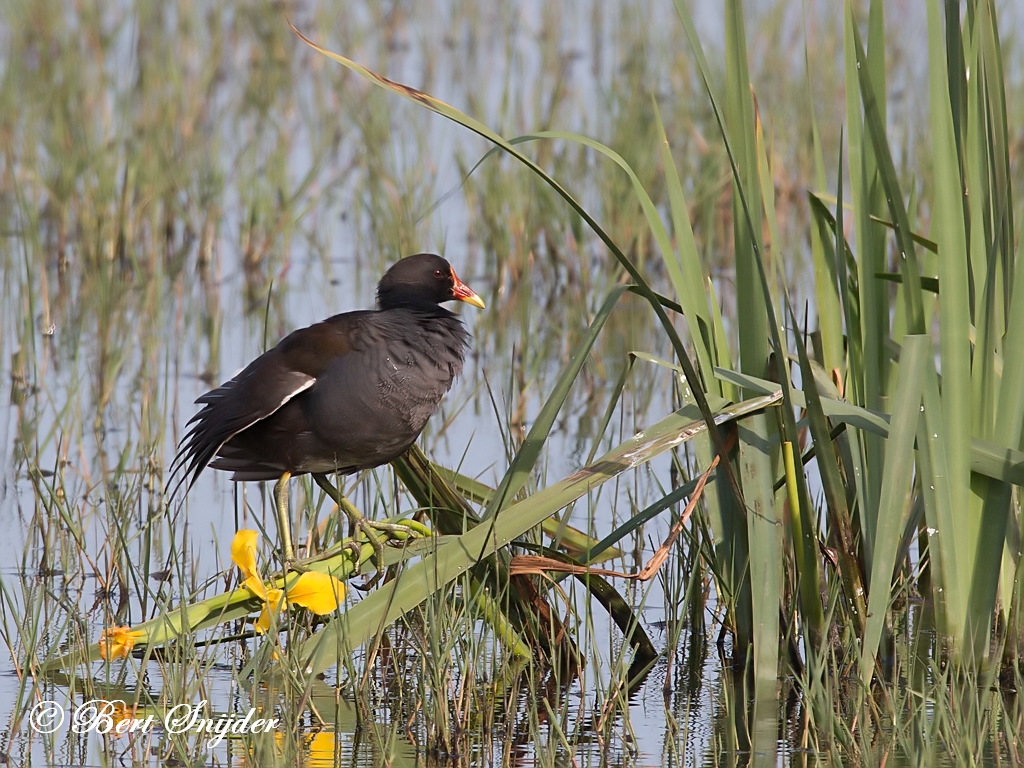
x=182, y=186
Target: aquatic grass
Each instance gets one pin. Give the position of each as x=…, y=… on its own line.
x=478, y=128
x=101, y=513
x=870, y=75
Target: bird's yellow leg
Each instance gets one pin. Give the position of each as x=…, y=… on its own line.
x=283, y=524
x=359, y=522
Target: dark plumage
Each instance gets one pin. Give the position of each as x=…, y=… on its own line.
x=349, y=393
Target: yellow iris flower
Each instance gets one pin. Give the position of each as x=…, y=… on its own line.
x=318, y=592
x=117, y=642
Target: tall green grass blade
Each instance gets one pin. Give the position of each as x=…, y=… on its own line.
x=956, y=74
x=826, y=279
x=990, y=205
x=1001, y=195
x=737, y=122
x=896, y=492
x=722, y=349
x=864, y=386
x=687, y=276
x=1008, y=428
x=865, y=360
x=758, y=315
x=876, y=69
x=739, y=130
x=976, y=158
x=948, y=551
x=756, y=324
x=766, y=184
x=764, y=535
x=874, y=247
x=875, y=125
x=954, y=310
x=835, y=494
x=739, y=115
x=802, y=516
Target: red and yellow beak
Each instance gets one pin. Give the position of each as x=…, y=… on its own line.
x=463, y=292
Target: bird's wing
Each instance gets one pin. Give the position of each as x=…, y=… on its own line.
x=261, y=389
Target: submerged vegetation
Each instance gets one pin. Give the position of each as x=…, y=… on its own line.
x=747, y=400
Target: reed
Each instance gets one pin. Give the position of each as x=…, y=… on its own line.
x=711, y=263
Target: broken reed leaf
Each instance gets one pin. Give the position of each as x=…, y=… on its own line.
x=537, y=565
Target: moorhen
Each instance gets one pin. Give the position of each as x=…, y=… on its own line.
x=346, y=394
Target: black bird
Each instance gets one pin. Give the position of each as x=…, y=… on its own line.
x=346, y=394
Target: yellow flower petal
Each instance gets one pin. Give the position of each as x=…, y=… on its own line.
x=117, y=642
x=255, y=585
x=317, y=591
x=271, y=607
x=243, y=551
x=243, y=554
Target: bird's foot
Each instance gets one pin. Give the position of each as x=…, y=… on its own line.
x=369, y=529
x=394, y=530
x=372, y=530
x=357, y=555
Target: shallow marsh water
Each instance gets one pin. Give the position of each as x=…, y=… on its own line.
x=182, y=186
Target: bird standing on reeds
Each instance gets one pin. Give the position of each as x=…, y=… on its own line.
x=349, y=393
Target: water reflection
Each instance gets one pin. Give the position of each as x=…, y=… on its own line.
x=183, y=185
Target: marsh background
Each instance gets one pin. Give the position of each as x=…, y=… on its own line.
x=182, y=184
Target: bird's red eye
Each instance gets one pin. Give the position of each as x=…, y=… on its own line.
x=438, y=273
